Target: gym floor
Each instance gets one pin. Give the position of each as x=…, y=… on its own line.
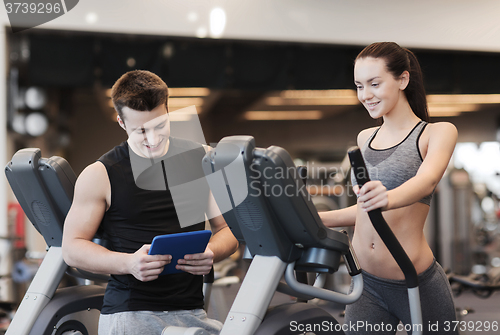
x=474, y=322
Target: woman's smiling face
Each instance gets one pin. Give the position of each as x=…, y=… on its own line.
x=377, y=88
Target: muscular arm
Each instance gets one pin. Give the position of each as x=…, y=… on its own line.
x=83, y=220
x=442, y=140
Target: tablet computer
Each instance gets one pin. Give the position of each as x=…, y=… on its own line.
x=179, y=245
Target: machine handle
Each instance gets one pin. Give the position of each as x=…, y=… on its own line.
x=381, y=226
x=392, y=243
x=321, y=292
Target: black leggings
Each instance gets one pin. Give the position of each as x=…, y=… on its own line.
x=384, y=303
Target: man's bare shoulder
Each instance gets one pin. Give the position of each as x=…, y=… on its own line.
x=93, y=181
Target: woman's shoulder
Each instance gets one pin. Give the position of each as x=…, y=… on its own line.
x=365, y=134
x=441, y=129
x=439, y=137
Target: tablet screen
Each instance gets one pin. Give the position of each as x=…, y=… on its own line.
x=179, y=245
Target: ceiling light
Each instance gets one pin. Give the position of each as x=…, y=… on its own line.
x=188, y=91
x=192, y=17
x=217, y=22
x=314, y=98
x=283, y=115
x=184, y=102
x=464, y=98
x=443, y=113
x=201, y=32
x=325, y=101
x=180, y=92
x=453, y=107
x=91, y=18
x=442, y=110
x=315, y=94
x=131, y=62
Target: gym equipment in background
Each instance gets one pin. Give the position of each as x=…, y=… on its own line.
x=44, y=189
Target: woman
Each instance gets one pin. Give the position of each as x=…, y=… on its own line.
x=406, y=157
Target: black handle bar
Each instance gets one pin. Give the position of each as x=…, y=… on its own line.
x=381, y=226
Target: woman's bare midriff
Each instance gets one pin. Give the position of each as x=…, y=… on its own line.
x=407, y=224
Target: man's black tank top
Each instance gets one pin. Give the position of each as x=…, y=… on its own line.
x=133, y=219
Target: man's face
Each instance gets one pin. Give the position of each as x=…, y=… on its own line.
x=148, y=132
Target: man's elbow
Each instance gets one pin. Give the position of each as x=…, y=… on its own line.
x=231, y=241
x=236, y=246
x=67, y=255
x=231, y=246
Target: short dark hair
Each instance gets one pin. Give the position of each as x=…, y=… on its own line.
x=398, y=60
x=139, y=90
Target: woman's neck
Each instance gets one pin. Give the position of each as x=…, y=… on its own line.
x=401, y=116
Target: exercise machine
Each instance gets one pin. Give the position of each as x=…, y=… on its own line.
x=482, y=285
x=44, y=189
x=272, y=213
x=265, y=205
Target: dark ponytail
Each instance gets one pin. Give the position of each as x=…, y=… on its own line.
x=398, y=60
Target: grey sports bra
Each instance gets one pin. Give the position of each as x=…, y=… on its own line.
x=395, y=165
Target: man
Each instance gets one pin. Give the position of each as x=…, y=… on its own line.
x=116, y=196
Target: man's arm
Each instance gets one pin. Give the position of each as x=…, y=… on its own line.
x=90, y=202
